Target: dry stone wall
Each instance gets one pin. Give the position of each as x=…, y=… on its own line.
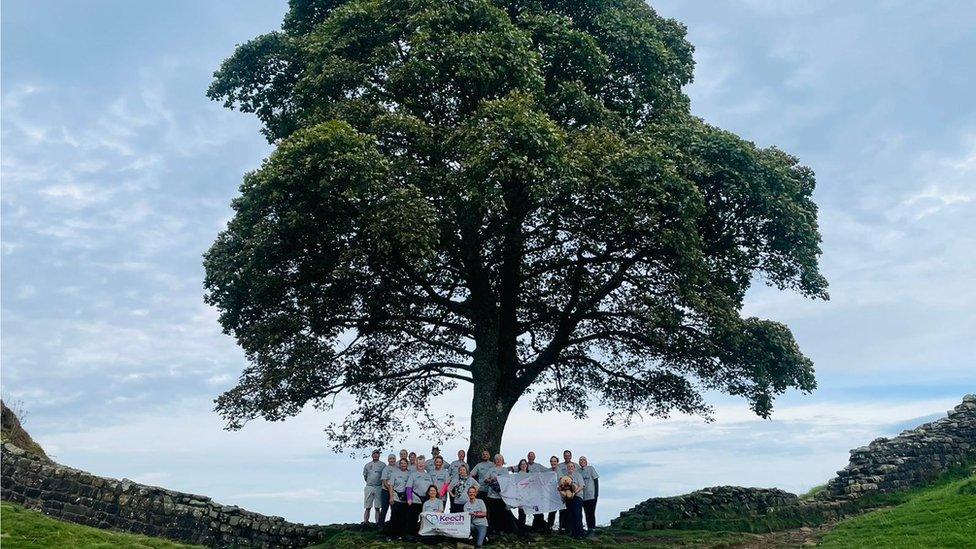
x=77, y=496
x=913, y=458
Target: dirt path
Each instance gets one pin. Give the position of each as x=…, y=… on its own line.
x=801, y=537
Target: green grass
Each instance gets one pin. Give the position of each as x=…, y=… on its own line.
x=617, y=539
x=940, y=516
x=22, y=528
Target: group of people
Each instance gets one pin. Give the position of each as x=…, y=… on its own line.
x=413, y=484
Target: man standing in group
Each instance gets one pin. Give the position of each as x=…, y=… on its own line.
x=534, y=467
x=457, y=463
x=481, y=472
x=385, y=495
x=372, y=474
x=564, y=466
x=563, y=470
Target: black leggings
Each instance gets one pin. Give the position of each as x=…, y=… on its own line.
x=589, y=509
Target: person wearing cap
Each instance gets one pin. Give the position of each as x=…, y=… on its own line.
x=591, y=491
x=372, y=474
x=391, y=465
x=458, y=463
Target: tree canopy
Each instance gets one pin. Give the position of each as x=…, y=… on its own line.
x=512, y=194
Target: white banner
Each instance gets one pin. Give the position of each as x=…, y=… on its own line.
x=455, y=525
x=533, y=492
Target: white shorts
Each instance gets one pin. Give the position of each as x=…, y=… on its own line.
x=372, y=497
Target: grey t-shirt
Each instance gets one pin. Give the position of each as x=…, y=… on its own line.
x=420, y=481
x=589, y=474
x=387, y=471
x=433, y=505
x=562, y=468
x=459, y=488
x=430, y=465
x=439, y=478
x=496, y=472
x=455, y=465
x=577, y=479
x=537, y=467
x=482, y=469
x=477, y=506
x=373, y=472
x=399, y=480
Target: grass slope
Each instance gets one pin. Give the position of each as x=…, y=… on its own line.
x=22, y=528
x=940, y=516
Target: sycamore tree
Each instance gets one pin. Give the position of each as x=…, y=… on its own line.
x=509, y=194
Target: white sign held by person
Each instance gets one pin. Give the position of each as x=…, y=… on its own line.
x=533, y=492
x=454, y=525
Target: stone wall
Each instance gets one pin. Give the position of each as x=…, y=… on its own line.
x=69, y=494
x=913, y=458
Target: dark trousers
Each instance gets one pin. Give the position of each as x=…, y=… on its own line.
x=457, y=507
x=563, y=520
x=413, y=517
x=574, y=517
x=589, y=510
x=384, y=507
x=551, y=520
x=397, y=525
x=499, y=518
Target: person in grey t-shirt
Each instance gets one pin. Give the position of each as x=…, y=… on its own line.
x=479, y=516
x=457, y=463
x=435, y=452
x=398, y=480
x=567, y=459
x=439, y=476
x=385, y=484
x=535, y=466
x=433, y=503
x=591, y=491
x=372, y=494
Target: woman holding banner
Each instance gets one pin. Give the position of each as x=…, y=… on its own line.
x=433, y=503
x=479, y=516
x=459, y=488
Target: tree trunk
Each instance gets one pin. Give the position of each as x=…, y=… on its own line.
x=489, y=414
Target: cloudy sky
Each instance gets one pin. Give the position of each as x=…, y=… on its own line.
x=117, y=174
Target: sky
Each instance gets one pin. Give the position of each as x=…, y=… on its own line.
x=116, y=174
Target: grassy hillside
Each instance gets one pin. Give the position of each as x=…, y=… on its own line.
x=941, y=516
x=22, y=528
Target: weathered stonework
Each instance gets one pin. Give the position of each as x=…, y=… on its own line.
x=76, y=496
x=913, y=458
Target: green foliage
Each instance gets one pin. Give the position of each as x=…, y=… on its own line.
x=510, y=193
x=941, y=516
x=27, y=529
